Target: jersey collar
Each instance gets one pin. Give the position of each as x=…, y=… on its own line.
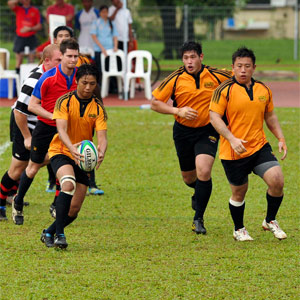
x=250, y=90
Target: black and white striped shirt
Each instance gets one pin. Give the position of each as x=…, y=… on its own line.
x=21, y=104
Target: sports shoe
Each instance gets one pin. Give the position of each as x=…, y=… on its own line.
x=52, y=210
x=60, y=241
x=242, y=235
x=198, y=226
x=193, y=202
x=3, y=216
x=51, y=187
x=273, y=226
x=94, y=190
x=17, y=215
x=47, y=239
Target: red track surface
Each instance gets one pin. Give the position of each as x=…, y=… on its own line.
x=285, y=94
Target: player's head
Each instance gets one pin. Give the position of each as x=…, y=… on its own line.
x=243, y=65
x=192, y=56
x=87, y=77
x=62, y=33
x=70, y=51
x=51, y=56
x=87, y=4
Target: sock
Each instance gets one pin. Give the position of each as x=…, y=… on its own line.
x=202, y=195
x=5, y=187
x=18, y=70
x=51, y=175
x=52, y=228
x=192, y=185
x=273, y=207
x=92, y=179
x=56, y=192
x=24, y=185
x=237, y=213
x=63, y=203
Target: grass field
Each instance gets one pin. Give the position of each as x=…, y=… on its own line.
x=135, y=242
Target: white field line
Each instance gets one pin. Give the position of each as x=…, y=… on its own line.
x=3, y=147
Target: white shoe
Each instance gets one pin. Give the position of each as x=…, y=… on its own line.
x=242, y=235
x=273, y=226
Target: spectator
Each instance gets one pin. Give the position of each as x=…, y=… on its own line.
x=104, y=35
x=122, y=18
x=83, y=22
x=28, y=22
x=63, y=9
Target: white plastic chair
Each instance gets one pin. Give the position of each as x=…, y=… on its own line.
x=25, y=70
x=112, y=72
x=10, y=75
x=139, y=71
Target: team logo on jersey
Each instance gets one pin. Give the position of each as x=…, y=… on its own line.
x=209, y=85
x=212, y=139
x=34, y=148
x=262, y=98
x=92, y=116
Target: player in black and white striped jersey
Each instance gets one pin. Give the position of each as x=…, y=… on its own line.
x=22, y=124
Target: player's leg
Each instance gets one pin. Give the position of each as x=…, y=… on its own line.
x=50, y=188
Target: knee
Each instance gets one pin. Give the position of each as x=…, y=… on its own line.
x=276, y=184
x=31, y=170
x=189, y=178
x=68, y=184
x=204, y=173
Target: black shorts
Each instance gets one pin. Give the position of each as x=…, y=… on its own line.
x=190, y=142
x=42, y=136
x=60, y=160
x=237, y=171
x=18, y=148
x=21, y=42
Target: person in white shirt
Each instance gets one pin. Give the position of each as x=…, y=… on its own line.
x=123, y=20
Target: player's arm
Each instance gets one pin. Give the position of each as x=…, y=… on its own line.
x=119, y=6
x=220, y=126
x=102, y=145
x=94, y=37
x=35, y=107
x=274, y=126
x=12, y=4
x=164, y=108
x=21, y=121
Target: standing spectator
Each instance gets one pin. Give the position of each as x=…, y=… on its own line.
x=28, y=22
x=104, y=35
x=63, y=9
x=83, y=22
x=244, y=104
x=123, y=20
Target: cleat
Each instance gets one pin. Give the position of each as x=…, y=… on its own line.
x=242, y=235
x=51, y=187
x=17, y=215
x=273, y=226
x=47, y=239
x=52, y=211
x=193, y=202
x=198, y=226
x=94, y=190
x=3, y=216
x=60, y=241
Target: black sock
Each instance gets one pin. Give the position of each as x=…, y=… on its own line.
x=237, y=214
x=57, y=191
x=52, y=228
x=24, y=185
x=63, y=202
x=273, y=207
x=17, y=70
x=192, y=185
x=69, y=220
x=6, y=186
x=92, y=179
x=202, y=194
x=51, y=175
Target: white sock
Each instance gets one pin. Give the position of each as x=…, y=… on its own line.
x=236, y=203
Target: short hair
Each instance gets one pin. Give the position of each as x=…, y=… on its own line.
x=48, y=51
x=61, y=28
x=243, y=52
x=87, y=69
x=68, y=44
x=191, y=46
x=103, y=7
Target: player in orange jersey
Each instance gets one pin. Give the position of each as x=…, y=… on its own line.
x=196, y=141
x=244, y=104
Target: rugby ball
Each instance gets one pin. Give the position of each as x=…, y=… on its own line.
x=90, y=153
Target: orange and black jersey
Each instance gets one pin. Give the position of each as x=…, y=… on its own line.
x=244, y=110
x=190, y=90
x=82, y=59
x=83, y=116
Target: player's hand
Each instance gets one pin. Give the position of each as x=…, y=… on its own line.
x=282, y=146
x=104, y=52
x=100, y=158
x=187, y=113
x=27, y=143
x=25, y=29
x=116, y=49
x=77, y=156
x=237, y=145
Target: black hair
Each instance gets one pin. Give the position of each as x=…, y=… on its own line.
x=191, y=46
x=61, y=28
x=68, y=44
x=243, y=52
x=86, y=69
x=103, y=7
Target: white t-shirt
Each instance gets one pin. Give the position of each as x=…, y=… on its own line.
x=122, y=19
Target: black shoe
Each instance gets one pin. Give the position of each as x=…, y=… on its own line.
x=60, y=241
x=47, y=239
x=193, y=202
x=198, y=226
x=52, y=210
x=3, y=216
x=26, y=203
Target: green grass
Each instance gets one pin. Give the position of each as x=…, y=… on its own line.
x=135, y=242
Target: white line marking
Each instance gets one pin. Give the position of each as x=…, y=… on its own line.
x=4, y=147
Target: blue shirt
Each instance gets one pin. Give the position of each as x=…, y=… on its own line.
x=104, y=34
